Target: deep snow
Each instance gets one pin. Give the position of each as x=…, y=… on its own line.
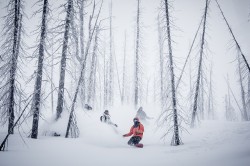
x=215, y=143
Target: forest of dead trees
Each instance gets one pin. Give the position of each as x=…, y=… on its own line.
x=79, y=39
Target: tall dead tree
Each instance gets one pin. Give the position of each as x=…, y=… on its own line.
x=14, y=67
x=124, y=69
x=52, y=76
x=82, y=3
x=137, y=82
x=10, y=49
x=161, y=60
x=197, y=88
x=234, y=38
x=75, y=34
x=176, y=138
x=60, y=100
x=38, y=83
x=105, y=78
x=110, y=75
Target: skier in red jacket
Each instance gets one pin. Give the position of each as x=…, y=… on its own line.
x=137, y=131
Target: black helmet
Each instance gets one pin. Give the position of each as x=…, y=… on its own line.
x=136, y=119
x=106, y=112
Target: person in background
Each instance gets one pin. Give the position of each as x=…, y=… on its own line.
x=142, y=115
x=137, y=131
x=105, y=118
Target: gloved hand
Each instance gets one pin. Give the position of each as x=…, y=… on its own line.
x=116, y=125
x=124, y=135
x=137, y=132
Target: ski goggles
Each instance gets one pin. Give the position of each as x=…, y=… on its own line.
x=135, y=120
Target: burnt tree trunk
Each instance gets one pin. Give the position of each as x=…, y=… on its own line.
x=176, y=139
x=124, y=69
x=137, y=55
x=161, y=59
x=38, y=85
x=82, y=45
x=60, y=100
x=194, y=113
x=111, y=61
x=13, y=69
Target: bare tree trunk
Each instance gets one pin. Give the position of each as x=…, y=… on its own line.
x=137, y=57
x=82, y=45
x=111, y=69
x=82, y=27
x=194, y=114
x=161, y=42
x=176, y=139
x=13, y=68
x=52, y=76
x=19, y=34
x=124, y=68
x=243, y=99
x=60, y=100
x=38, y=85
x=75, y=35
x=105, y=79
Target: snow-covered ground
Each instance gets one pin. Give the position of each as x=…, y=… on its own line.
x=213, y=143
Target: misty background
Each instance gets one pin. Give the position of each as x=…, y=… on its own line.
x=186, y=16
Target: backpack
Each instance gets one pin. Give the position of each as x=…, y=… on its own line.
x=103, y=118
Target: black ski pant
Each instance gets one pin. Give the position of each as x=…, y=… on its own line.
x=134, y=140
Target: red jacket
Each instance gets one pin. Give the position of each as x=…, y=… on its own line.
x=138, y=131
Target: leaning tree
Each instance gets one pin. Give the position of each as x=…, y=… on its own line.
x=199, y=75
